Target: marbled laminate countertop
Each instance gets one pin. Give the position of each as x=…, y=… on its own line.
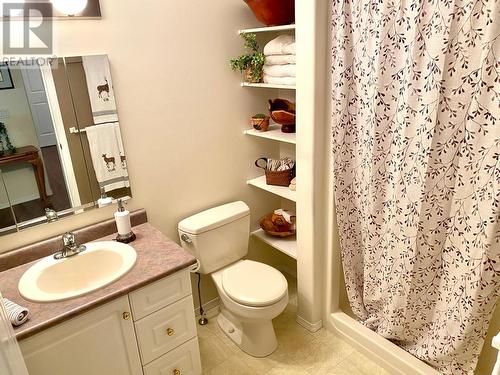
x=157, y=257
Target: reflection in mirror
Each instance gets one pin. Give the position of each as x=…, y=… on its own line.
x=7, y=221
x=61, y=150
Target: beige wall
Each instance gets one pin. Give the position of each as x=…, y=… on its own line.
x=19, y=179
x=182, y=110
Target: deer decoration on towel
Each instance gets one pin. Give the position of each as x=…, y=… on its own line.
x=104, y=89
x=110, y=163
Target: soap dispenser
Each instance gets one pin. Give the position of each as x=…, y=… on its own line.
x=104, y=200
x=122, y=218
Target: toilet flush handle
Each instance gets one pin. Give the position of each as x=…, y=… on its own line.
x=185, y=238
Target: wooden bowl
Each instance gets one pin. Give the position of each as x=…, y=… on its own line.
x=273, y=12
x=283, y=117
x=275, y=232
x=280, y=234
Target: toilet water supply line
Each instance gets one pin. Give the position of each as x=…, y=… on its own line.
x=496, y=344
x=194, y=269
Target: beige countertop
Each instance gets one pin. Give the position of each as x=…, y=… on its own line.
x=157, y=257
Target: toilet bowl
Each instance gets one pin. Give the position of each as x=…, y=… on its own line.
x=251, y=293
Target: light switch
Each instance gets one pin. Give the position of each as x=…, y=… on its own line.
x=4, y=113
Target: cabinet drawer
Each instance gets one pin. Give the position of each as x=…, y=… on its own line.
x=160, y=294
x=185, y=359
x=166, y=329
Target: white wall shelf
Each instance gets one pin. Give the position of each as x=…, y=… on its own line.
x=267, y=29
x=287, y=245
x=274, y=133
x=268, y=86
x=282, y=191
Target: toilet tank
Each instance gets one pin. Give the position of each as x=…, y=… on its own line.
x=217, y=237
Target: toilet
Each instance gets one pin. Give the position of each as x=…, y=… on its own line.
x=251, y=293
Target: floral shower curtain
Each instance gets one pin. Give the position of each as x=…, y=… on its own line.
x=416, y=140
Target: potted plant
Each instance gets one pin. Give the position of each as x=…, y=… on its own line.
x=260, y=122
x=251, y=62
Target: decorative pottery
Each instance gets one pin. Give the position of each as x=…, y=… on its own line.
x=260, y=123
x=283, y=112
x=273, y=12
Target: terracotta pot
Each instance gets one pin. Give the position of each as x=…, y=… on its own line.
x=273, y=12
x=260, y=123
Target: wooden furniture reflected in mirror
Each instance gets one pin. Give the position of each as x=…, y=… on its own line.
x=28, y=154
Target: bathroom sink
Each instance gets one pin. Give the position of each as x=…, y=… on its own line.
x=102, y=263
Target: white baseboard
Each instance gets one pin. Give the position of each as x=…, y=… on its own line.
x=211, y=308
x=311, y=327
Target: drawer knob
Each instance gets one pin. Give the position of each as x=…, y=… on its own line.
x=177, y=372
x=126, y=315
x=171, y=332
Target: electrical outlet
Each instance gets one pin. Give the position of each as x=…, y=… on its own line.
x=4, y=113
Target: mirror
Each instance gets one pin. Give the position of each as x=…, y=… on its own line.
x=61, y=151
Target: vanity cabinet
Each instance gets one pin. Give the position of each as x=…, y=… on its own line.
x=100, y=341
x=150, y=331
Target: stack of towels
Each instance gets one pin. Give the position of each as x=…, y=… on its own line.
x=280, y=68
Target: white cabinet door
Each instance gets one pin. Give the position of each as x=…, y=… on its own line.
x=99, y=342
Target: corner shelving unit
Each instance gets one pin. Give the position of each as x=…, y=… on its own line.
x=287, y=246
x=274, y=133
x=268, y=86
x=282, y=191
x=267, y=29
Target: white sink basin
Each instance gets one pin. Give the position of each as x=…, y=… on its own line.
x=99, y=265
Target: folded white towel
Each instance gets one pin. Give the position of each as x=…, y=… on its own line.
x=282, y=45
x=280, y=59
x=288, y=81
x=17, y=314
x=288, y=70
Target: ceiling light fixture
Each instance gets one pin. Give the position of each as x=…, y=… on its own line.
x=70, y=7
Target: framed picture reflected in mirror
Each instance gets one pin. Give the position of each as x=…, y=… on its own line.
x=5, y=77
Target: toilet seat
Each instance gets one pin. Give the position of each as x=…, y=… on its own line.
x=254, y=284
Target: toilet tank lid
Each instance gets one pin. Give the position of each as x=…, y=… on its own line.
x=214, y=217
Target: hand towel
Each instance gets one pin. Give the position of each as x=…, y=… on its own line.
x=108, y=157
x=287, y=215
x=282, y=45
x=100, y=87
x=280, y=60
x=293, y=184
x=11, y=359
x=288, y=70
x=287, y=81
x=17, y=314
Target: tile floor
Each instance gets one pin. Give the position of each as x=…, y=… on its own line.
x=299, y=352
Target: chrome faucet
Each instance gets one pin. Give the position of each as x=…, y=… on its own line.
x=51, y=215
x=70, y=247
